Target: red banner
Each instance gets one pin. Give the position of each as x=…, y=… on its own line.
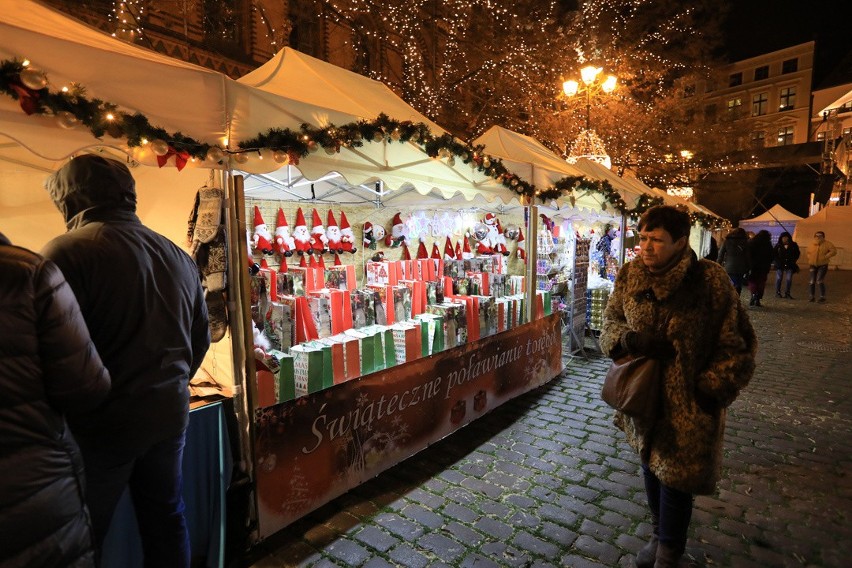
x=310, y=450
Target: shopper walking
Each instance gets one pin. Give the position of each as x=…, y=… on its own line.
x=761, y=253
x=48, y=367
x=142, y=300
x=820, y=251
x=734, y=256
x=786, y=258
x=653, y=310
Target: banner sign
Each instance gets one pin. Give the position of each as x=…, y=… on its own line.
x=310, y=450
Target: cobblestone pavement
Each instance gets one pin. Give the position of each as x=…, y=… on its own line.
x=546, y=480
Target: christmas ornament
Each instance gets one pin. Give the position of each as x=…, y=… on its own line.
x=511, y=232
x=319, y=242
x=332, y=232
x=159, y=147
x=66, y=119
x=398, y=233
x=33, y=78
x=347, y=237
x=261, y=239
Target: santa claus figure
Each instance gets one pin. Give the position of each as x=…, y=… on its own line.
x=500, y=240
x=301, y=236
x=253, y=267
x=347, y=237
x=522, y=246
x=319, y=242
x=332, y=233
x=262, y=238
x=284, y=243
x=398, y=234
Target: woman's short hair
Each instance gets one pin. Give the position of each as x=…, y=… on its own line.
x=673, y=220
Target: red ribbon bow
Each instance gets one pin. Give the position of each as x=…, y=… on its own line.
x=180, y=158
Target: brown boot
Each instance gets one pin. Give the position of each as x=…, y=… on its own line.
x=667, y=556
x=646, y=557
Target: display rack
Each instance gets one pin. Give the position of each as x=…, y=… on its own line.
x=576, y=300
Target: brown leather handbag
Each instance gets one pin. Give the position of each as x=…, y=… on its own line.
x=633, y=386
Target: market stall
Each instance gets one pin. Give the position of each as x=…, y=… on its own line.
x=776, y=220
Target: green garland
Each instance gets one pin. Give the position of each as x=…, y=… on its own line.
x=72, y=106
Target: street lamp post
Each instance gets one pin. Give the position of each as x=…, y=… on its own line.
x=591, y=86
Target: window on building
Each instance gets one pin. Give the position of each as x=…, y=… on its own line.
x=785, y=135
x=820, y=136
x=788, y=99
x=845, y=107
x=735, y=79
x=759, y=104
x=304, y=30
x=689, y=91
x=790, y=66
x=761, y=72
x=758, y=139
x=221, y=25
x=847, y=131
x=734, y=106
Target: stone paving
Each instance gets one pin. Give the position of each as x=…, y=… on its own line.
x=546, y=480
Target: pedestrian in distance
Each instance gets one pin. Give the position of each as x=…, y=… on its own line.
x=761, y=254
x=713, y=254
x=820, y=252
x=48, y=367
x=653, y=310
x=786, y=264
x=734, y=256
x=142, y=300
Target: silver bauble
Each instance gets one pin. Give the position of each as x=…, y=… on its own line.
x=511, y=232
x=33, y=79
x=480, y=231
x=160, y=147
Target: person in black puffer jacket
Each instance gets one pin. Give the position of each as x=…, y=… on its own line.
x=786, y=258
x=761, y=253
x=734, y=256
x=48, y=366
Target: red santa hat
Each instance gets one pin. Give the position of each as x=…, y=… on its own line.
x=337, y=260
x=490, y=219
x=321, y=263
x=258, y=218
x=344, y=224
x=449, y=253
x=458, y=250
x=264, y=264
x=300, y=218
x=316, y=222
x=281, y=221
x=421, y=251
x=397, y=220
x=466, y=252
x=406, y=255
x=435, y=252
x=331, y=221
x=302, y=263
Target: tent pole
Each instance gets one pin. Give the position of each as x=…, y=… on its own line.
x=532, y=258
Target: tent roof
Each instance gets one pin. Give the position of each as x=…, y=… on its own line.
x=836, y=222
x=847, y=97
x=774, y=214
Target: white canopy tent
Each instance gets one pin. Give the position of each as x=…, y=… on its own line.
x=776, y=220
x=836, y=222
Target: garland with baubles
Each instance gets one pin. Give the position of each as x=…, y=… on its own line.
x=71, y=107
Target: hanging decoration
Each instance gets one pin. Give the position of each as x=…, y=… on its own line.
x=71, y=107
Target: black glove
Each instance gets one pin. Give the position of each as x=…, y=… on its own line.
x=648, y=344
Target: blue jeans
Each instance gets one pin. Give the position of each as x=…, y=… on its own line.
x=737, y=280
x=155, y=481
x=817, y=276
x=670, y=508
x=786, y=275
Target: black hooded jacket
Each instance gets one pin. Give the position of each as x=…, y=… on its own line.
x=142, y=300
x=48, y=367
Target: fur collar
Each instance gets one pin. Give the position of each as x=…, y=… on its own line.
x=642, y=282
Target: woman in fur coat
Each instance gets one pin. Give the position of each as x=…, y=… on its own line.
x=669, y=305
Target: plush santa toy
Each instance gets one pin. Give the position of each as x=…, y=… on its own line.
x=319, y=242
x=398, y=234
x=500, y=240
x=369, y=237
x=332, y=232
x=347, y=237
x=522, y=246
x=253, y=267
x=301, y=236
x=284, y=243
x=379, y=256
x=262, y=239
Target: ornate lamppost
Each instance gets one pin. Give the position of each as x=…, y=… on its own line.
x=588, y=144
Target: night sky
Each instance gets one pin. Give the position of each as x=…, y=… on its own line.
x=760, y=26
